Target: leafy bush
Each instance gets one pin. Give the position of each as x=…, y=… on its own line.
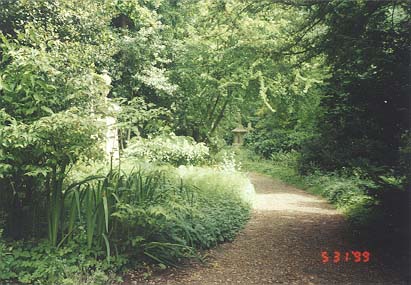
x=346, y=192
x=6, y=259
x=176, y=150
x=287, y=159
x=192, y=208
x=225, y=160
x=36, y=158
x=223, y=201
x=43, y=264
x=266, y=142
x=150, y=218
x=49, y=118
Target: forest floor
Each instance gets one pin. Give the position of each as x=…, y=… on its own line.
x=282, y=244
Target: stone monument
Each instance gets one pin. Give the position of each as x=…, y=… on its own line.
x=239, y=133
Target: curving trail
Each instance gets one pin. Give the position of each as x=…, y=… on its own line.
x=282, y=244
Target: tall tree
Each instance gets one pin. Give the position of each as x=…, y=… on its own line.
x=367, y=107
x=231, y=59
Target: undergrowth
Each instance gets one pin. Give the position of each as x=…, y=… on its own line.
x=155, y=215
x=349, y=193
x=171, y=149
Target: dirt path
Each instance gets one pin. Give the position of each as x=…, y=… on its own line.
x=282, y=243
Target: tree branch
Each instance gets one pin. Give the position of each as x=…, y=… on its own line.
x=221, y=114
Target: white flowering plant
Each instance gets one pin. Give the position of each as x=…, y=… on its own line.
x=176, y=150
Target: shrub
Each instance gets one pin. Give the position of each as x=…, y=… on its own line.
x=191, y=208
x=287, y=159
x=265, y=143
x=176, y=150
x=225, y=160
x=223, y=198
x=6, y=259
x=41, y=263
x=150, y=218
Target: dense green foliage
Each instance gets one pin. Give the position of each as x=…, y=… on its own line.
x=361, y=111
x=365, y=203
x=176, y=150
x=51, y=99
x=353, y=139
x=324, y=85
x=269, y=142
x=221, y=68
x=366, y=111
x=38, y=263
x=123, y=219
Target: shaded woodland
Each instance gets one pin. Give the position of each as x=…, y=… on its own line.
x=324, y=85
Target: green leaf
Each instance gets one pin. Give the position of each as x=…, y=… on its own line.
x=105, y=210
x=36, y=97
x=107, y=247
x=47, y=109
x=30, y=111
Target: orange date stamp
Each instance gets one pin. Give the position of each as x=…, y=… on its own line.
x=347, y=256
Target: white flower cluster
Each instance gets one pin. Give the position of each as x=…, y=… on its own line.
x=177, y=150
x=229, y=163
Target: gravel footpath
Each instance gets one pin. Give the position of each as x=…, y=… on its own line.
x=282, y=244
